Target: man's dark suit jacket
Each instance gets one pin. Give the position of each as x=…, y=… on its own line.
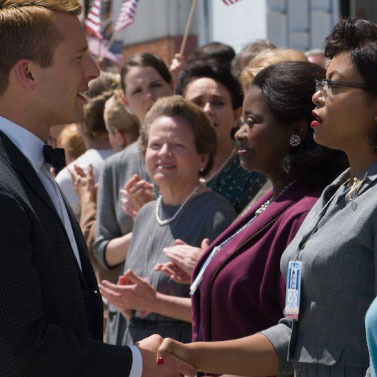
x=50, y=310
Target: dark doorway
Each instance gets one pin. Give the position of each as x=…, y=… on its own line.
x=344, y=8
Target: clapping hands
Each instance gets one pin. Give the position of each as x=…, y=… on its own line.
x=131, y=293
x=135, y=194
x=84, y=183
x=183, y=260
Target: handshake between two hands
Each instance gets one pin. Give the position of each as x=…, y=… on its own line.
x=158, y=358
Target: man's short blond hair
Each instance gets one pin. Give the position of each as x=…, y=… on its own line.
x=28, y=31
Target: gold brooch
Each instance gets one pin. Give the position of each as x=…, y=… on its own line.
x=353, y=191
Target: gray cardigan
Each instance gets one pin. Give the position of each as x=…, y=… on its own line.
x=338, y=284
x=112, y=221
x=205, y=215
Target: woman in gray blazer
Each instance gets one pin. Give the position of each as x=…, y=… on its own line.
x=335, y=250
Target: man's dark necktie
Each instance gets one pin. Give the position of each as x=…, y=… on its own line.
x=54, y=156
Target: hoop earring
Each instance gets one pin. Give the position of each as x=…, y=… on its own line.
x=294, y=140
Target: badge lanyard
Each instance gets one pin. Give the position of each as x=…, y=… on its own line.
x=195, y=284
x=293, y=288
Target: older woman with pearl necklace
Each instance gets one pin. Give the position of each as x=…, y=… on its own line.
x=180, y=144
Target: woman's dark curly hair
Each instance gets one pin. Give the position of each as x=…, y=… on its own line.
x=213, y=69
x=287, y=89
x=358, y=38
x=348, y=35
x=213, y=50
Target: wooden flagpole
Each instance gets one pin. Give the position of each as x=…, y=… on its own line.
x=188, y=25
x=99, y=54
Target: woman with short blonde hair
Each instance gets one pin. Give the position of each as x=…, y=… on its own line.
x=266, y=58
x=123, y=127
x=72, y=143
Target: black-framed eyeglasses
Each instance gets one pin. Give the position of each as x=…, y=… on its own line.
x=326, y=86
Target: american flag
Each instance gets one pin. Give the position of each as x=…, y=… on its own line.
x=126, y=14
x=230, y=2
x=93, y=21
x=100, y=47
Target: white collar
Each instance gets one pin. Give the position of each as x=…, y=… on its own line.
x=29, y=144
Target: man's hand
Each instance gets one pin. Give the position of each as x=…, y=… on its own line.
x=172, y=366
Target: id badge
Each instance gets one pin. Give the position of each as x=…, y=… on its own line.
x=292, y=297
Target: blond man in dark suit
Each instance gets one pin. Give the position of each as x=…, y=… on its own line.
x=51, y=311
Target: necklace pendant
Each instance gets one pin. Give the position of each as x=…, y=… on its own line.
x=354, y=191
x=264, y=206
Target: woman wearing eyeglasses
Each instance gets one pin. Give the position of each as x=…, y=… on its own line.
x=330, y=266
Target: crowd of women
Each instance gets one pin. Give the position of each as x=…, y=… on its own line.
x=237, y=217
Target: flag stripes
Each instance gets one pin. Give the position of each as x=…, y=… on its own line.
x=230, y=2
x=97, y=47
x=93, y=21
x=126, y=15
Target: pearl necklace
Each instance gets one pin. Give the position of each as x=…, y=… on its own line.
x=264, y=206
x=179, y=210
x=222, y=166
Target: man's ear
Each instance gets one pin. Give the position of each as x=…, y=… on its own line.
x=23, y=72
